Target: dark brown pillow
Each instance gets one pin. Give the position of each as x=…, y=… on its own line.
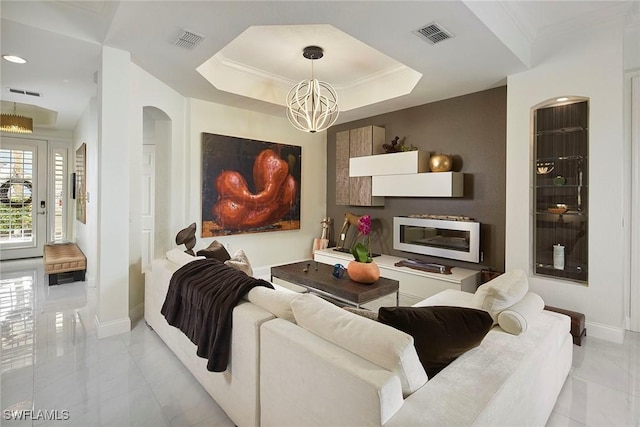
x=215, y=250
x=440, y=333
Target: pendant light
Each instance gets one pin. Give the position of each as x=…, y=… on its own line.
x=312, y=105
x=16, y=124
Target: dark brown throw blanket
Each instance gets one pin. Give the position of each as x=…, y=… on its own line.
x=200, y=301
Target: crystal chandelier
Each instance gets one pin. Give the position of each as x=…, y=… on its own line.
x=312, y=105
x=16, y=124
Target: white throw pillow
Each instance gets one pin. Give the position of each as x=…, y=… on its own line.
x=240, y=262
x=180, y=257
x=516, y=319
x=501, y=293
x=277, y=302
x=380, y=344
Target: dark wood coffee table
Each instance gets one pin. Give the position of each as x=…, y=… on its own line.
x=319, y=279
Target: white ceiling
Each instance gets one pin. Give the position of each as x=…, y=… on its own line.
x=62, y=41
x=242, y=69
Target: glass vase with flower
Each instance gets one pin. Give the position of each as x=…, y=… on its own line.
x=363, y=269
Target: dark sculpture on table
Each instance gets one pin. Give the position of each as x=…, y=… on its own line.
x=187, y=236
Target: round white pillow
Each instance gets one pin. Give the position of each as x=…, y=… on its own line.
x=516, y=319
x=501, y=293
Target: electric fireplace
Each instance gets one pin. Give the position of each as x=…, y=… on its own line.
x=437, y=237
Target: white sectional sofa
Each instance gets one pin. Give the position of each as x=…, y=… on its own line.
x=236, y=389
x=508, y=380
x=297, y=360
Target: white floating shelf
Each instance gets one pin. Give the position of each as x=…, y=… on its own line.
x=433, y=184
x=404, y=162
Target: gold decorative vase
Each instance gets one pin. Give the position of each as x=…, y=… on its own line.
x=440, y=163
x=363, y=272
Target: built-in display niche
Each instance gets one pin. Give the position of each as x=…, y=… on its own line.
x=437, y=237
x=561, y=190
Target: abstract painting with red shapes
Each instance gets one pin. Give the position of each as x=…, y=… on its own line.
x=249, y=186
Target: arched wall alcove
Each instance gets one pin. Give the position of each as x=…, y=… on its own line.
x=560, y=190
x=150, y=214
x=157, y=132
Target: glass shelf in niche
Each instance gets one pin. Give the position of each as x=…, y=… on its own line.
x=577, y=273
x=567, y=268
x=561, y=191
x=547, y=168
x=558, y=186
x=552, y=159
x=569, y=213
x=561, y=131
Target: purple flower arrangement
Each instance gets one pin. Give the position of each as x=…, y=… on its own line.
x=361, y=251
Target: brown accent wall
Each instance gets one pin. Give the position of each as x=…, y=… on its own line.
x=473, y=129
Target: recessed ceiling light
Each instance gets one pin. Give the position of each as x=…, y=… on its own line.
x=562, y=99
x=15, y=59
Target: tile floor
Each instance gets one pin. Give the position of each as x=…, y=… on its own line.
x=51, y=360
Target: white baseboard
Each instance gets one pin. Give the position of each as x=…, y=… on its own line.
x=112, y=327
x=91, y=281
x=605, y=332
x=137, y=312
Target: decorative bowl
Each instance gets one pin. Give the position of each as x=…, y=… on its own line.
x=542, y=170
x=440, y=163
x=559, y=209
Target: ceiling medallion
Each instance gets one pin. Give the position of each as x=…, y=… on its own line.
x=16, y=124
x=312, y=105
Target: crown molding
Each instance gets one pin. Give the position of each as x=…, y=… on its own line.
x=500, y=20
x=245, y=80
x=616, y=13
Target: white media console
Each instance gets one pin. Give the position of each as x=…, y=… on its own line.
x=417, y=283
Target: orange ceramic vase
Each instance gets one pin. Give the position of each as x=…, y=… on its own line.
x=363, y=272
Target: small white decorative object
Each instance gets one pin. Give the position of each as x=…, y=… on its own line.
x=558, y=257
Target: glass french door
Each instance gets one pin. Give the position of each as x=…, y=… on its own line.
x=23, y=207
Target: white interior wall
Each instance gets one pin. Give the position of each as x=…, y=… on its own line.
x=632, y=128
x=262, y=249
x=589, y=65
x=163, y=233
x=84, y=235
x=114, y=92
x=165, y=103
x=183, y=174
x=634, y=291
x=157, y=132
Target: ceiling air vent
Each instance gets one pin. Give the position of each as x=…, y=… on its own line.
x=433, y=33
x=24, y=92
x=188, y=40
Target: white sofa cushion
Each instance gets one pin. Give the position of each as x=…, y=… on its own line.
x=380, y=344
x=451, y=297
x=276, y=301
x=181, y=258
x=516, y=319
x=501, y=293
x=507, y=381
